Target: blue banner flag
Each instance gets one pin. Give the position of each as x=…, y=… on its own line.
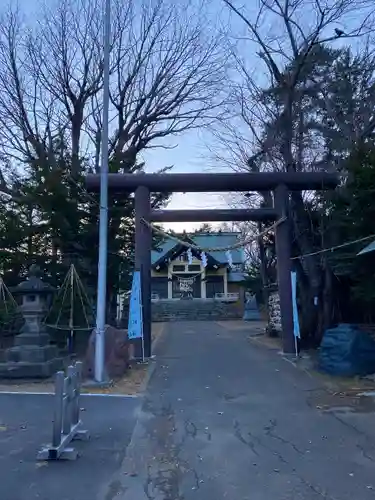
x=135, y=324
x=297, y=333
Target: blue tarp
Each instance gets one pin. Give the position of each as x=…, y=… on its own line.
x=369, y=248
x=347, y=351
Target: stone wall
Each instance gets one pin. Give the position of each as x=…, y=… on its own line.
x=196, y=310
x=274, y=312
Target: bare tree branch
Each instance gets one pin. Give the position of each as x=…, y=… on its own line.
x=167, y=72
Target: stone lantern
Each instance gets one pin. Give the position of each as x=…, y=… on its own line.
x=32, y=355
x=34, y=294
x=251, y=312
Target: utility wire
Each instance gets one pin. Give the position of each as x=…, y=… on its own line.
x=337, y=247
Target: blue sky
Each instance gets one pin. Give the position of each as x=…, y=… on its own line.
x=190, y=154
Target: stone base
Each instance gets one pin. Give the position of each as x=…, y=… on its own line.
x=32, y=339
x=252, y=316
x=31, y=354
x=23, y=369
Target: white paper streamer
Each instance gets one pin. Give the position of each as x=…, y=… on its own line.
x=204, y=259
x=189, y=256
x=229, y=258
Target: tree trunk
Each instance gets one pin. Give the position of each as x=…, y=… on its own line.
x=312, y=304
x=311, y=291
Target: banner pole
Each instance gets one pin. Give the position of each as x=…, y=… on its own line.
x=296, y=329
x=296, y=345
x=135, y=323
x=143, y=348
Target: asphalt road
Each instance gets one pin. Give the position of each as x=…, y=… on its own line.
x=223, y=419
x=25, y=425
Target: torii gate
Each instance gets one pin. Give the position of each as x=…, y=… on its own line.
x=278, y=182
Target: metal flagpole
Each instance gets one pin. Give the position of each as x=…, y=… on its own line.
x=103, y=221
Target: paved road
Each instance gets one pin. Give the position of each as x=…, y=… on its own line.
x=225, y=419
x=25, y=425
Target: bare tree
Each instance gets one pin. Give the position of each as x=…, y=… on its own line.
x=173, y=81
x=285, y=39
x=167, y=70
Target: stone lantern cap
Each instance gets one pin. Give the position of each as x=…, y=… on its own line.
x=33, y=284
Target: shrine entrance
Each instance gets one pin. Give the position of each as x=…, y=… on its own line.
x=280, y=183
x=186, y=286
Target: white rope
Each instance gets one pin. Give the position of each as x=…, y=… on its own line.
x=6, y=296
x=239, y=244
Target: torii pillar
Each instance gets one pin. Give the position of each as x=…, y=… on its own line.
x=143, y=243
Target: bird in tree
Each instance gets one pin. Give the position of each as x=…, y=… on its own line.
x=339, y=32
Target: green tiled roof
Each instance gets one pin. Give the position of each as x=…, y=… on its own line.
x=236, y=277
x=204, y=240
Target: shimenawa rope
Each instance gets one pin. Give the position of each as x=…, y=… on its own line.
x=186, y=244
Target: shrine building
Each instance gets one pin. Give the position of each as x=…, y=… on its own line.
x=178, y=273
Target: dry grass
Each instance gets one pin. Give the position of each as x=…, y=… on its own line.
x=27, y=386
x=130, y=383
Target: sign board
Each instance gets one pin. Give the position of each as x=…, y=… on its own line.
x=297, y=333
x=135, y=324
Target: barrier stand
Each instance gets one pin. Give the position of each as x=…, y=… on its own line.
x=67, y=425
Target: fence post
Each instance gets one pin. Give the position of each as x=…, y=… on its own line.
x=77, y=390
x=58, y=409
x=66, y=425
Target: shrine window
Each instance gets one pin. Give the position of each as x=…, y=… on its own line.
x=178, y=268
x=194, y=267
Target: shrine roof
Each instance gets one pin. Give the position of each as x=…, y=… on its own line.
x=205, y=240
x=236, y=277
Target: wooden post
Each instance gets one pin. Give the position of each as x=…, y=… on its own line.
x=170, y=284
x=284, y=267
x=143, y=241
x=225, y=278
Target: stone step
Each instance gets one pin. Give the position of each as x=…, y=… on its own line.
x=196, y=315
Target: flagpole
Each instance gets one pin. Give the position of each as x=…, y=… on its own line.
x=103, y=217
